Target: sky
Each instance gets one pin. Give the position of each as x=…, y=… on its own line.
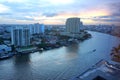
x=57, y=11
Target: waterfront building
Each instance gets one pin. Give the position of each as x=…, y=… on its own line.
x=20, y=36
x=5, y=47
x=73, y=25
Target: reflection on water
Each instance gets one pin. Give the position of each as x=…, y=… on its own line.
x=72, y=51
x=58, y=64
x=22, y=67
x=22, y=59
x=74, y=48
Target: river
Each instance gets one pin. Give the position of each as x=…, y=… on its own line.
x=61, y=63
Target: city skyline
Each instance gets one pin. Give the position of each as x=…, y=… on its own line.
x=57, y=11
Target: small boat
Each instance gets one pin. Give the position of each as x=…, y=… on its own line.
x=94, y=50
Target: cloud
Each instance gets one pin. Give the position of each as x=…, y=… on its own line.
x=49, y=14
x=2, y=14
x=114, y=13
x=4, y=9
x=60, y=10
x=107, y=18
x=58, y=2
x=114, y=9
x=13, y=1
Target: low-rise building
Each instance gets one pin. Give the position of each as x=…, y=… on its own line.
x=4, y=49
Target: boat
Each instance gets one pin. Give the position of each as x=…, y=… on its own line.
x=94, y=50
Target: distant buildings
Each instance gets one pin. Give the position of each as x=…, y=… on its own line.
x=20, y=36
x=37, y=28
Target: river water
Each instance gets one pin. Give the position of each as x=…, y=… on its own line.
x=61, y=63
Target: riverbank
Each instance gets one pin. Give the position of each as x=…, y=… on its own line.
x=62, y=41
x=26, y=50
x=115, y=53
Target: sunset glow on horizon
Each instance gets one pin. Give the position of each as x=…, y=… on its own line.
x=57, y=11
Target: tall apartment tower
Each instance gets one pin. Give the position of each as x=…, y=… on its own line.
x=37, y=28
x=20, y=36
x=73, y=25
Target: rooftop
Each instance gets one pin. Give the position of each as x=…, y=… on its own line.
x=101, y=71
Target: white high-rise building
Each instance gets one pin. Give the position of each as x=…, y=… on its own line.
x=20, y=36
x=73, y=25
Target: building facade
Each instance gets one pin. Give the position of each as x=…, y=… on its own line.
x=73, y=25
x=20, y=36
x=37, y=28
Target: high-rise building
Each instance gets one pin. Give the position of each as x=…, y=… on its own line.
x=73, y=25
x=36, y=28
x=20, y=36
